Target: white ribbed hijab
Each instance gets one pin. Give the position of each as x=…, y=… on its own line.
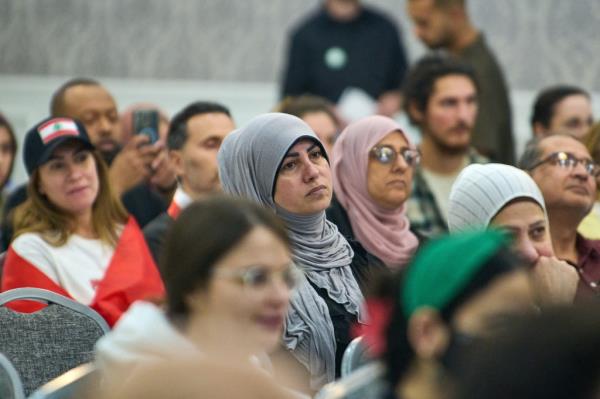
x=481, y=191
x=249, y=159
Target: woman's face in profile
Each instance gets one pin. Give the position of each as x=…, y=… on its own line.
x=70, y=179
x=247, y=297
x=304, y=183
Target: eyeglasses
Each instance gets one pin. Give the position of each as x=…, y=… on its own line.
x=386, y=154
x=259, y=277
x=566, y=160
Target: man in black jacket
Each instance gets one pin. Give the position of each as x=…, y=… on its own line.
x=194, y=138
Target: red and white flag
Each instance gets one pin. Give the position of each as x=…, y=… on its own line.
x=57, y=127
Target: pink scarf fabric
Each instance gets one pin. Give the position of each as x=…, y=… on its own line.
x=383, y=232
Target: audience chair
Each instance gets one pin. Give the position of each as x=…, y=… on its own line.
x=47, y=343
x=73, y=384
x=355, y=355
x=10, y=382
x=366, y=382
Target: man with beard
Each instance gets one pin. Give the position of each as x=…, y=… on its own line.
x=441, y=99
x=445, y=25
x=564, y=171
x=139, y=172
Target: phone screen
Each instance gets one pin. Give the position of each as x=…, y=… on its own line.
x=145, y=121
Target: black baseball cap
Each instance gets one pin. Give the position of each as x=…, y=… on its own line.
x=42, y=139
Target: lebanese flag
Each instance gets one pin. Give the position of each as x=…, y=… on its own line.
x=131, y=275
x=57, y=127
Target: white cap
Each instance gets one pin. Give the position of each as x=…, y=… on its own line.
x=481, y=191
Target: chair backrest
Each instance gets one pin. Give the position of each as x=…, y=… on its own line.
x=74, y=383
x=10, y=382
x=47, y=343
x=355, y=355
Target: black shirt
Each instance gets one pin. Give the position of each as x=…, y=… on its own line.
x=326, y=56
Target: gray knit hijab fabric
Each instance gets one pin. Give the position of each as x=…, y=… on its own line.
x=249, y=159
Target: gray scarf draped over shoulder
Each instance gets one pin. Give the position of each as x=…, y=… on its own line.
x=249, y=159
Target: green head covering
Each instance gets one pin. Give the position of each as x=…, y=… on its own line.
x=443, y=268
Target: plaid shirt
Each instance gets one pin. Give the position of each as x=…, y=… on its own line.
x=422, y=210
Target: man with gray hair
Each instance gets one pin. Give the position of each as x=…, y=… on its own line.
x=565, y=173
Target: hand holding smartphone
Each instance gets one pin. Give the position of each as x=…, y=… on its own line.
x=145, y=121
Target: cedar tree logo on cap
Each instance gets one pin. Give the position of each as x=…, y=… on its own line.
x=44, y=137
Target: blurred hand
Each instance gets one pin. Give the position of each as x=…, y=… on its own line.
x=133, y=164
x=164, y=177
x=554, y=281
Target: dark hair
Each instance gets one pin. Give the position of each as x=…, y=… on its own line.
x=545, y=102
x=531, y=154
x=13, y=146
x=399, y=352
x=551, y=356
x=57, y=103
x=446, y=3
x=306, y=104
x=177, y=135
x=419, y=83
x=203, y=234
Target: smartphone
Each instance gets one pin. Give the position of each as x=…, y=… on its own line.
x=145, y=121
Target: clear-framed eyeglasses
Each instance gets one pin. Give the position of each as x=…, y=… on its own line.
x=259, y=277
x=566, y=160
x=386, y=154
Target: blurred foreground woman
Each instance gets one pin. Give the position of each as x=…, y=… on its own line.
x=228, y=275
x=456, y=291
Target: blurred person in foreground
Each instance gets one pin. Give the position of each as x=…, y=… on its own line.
x=457, y=290
x=555, y=355
x=228, y=275
x=199, y=378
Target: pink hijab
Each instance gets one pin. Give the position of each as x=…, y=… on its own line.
x=383, y=232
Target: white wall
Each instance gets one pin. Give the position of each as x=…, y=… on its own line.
x=25, y=99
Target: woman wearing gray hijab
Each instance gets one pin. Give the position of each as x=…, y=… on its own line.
x=278, y=161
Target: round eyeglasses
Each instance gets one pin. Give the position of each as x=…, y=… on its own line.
x=386, y=154
x=259, y=277
x=567, y=160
